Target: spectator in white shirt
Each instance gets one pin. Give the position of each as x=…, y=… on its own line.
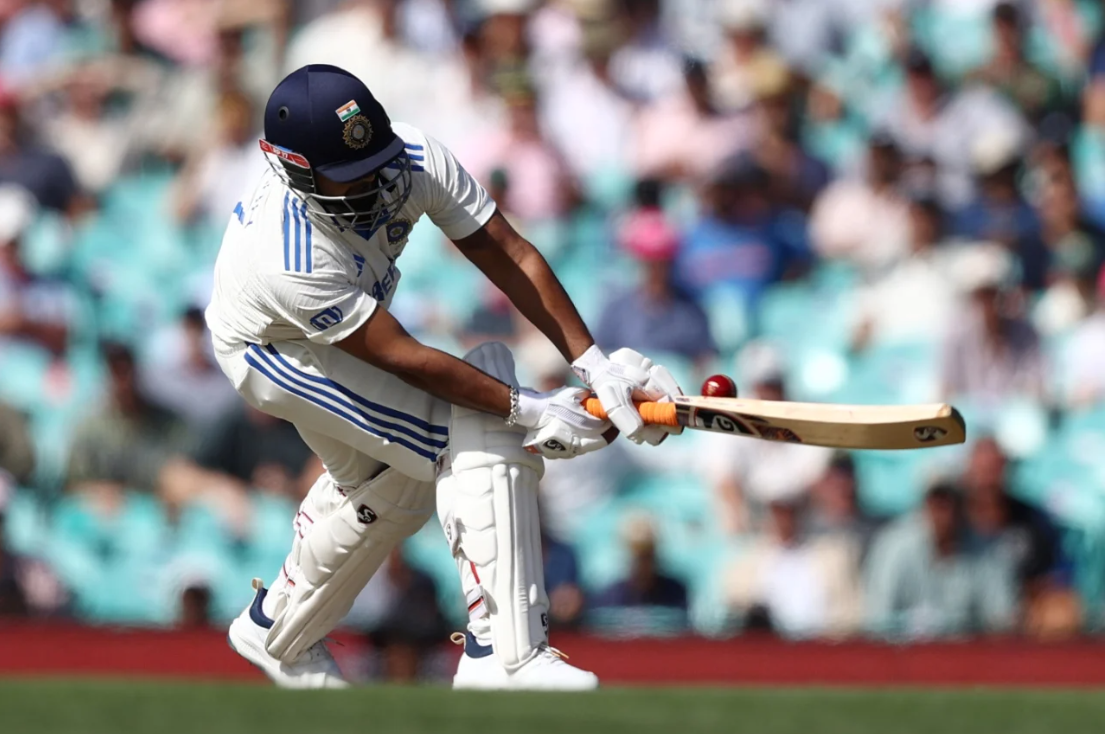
x=865, y=222
x=887, y=309
x=748, y=475
x=802, y=586
x=993, y=353
x=1083, y=361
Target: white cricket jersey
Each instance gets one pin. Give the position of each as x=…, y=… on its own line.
x=283, y=273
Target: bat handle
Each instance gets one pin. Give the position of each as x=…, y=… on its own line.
x=659, y=414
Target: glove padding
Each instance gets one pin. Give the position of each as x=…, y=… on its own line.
x=660, y=388
x=559, y=426
x=616, y=382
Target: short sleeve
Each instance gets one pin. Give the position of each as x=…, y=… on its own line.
x=325, y=306
x=456, y=202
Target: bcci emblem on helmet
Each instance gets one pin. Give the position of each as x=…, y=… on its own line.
x=358, y=132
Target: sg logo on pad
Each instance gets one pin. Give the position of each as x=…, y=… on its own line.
x=323, y=320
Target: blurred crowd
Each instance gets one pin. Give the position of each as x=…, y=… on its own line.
x=871, y=201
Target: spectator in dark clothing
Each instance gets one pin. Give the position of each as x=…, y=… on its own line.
x=925, y=579
x=835, y=508
x=27, y=586
x=412, y=624
x=646, y=585
x=45, y=174
x=195, y=607
x=256, y=449
x=1009, y=70
x=17, y=456
x=33, y=309
x=999, y=213
x=561, y=582
x=13, y=600
x=739, y=244
x=130, y=439
x=656, y=316
x=1000, y=523
x=794, y=176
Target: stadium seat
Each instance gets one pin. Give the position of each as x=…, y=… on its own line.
x=730, y=321
x=428, y=551
x=892, y=482
x=23, y=365
x=25, y=524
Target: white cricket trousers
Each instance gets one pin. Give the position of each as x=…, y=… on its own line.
x=356, y=417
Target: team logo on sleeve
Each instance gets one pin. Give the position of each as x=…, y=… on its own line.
x=358, y=132
x=397, y=231
x=323, y=320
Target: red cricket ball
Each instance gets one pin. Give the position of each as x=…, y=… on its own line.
x=719, y=386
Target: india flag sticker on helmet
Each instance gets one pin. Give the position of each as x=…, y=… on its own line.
x=347, y=110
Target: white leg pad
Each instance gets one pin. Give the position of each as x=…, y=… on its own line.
x=494, y=524
x=341, y=539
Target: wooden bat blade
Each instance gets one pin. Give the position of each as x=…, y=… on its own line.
x=884, y=427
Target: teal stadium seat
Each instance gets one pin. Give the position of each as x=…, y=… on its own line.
x=890, y=374
x=109, y=562
x=893, y=482
x=25, y=524
x=730, y=320
x=23, y=366
x=428, y=551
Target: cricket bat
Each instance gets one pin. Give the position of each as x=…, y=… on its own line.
x=885, y=427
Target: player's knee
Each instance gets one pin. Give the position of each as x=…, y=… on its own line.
x=390, y=506
x=494, y=358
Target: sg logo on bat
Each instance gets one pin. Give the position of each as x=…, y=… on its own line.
x=928, y=434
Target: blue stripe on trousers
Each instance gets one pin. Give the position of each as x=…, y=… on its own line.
x=296, y=377
x=359, y=424
x=383, y=409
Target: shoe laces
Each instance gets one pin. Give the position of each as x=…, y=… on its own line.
x=552, y=651
x=318, y=652
x=457, y=638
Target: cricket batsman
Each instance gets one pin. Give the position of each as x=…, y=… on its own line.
x=299, y=318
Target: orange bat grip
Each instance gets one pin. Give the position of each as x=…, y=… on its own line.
x=659, y=414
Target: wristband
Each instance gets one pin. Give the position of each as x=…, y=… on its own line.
x=512, y=417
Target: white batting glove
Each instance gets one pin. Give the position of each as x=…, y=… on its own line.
x=616, y=382
x=660, y=388
x=559, y=426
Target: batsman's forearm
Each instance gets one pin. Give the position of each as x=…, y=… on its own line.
x=453, y=380
x=541, y=298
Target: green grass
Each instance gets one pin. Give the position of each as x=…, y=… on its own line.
x=121, y=707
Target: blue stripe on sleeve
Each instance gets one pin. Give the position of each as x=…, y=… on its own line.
x=412, y=146
x=308, y=226
x=414, y=157
x=382, y=409
x=256, y=364
x=298, y=236
x=287, y=216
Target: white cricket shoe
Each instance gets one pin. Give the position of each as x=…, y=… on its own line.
x=547, y=671
x=479, y=669
x=315, y=668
